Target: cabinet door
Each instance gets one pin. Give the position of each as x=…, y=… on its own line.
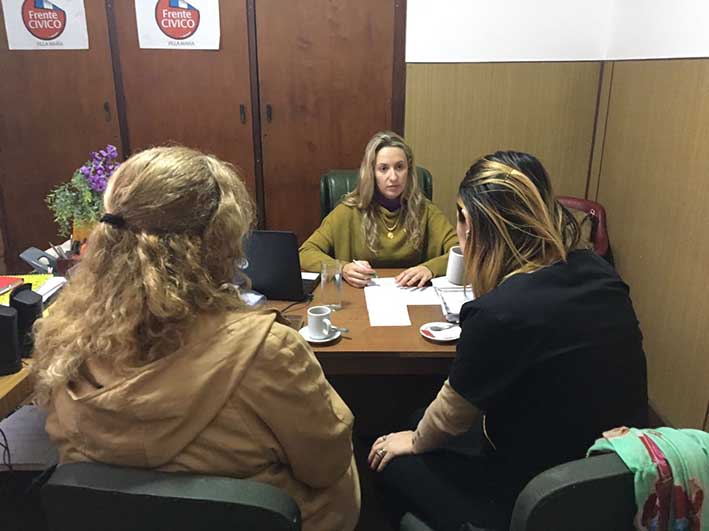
x=198, y=98
x=55, y=108
x=325, y=76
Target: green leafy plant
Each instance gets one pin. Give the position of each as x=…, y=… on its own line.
x=80, y=201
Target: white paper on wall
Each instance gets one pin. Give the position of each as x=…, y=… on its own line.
x=644, y=29
x=177, y=24
x=45, y=25
x=465, y=31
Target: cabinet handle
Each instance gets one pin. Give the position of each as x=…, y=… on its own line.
x=269, y=113
x=242, y=113
x=107, y=111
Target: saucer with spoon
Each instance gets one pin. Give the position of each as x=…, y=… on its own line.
x=440, y=331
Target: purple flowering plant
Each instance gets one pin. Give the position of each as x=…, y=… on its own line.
x=80, y=200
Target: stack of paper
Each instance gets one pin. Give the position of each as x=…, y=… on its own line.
x=36, y=280
x=452, y=300
x=50, y=288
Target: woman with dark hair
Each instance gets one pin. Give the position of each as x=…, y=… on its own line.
x=550, y=356
x=386, y=221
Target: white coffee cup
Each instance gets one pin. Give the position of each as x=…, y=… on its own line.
x=455, y=272
x=319, y=325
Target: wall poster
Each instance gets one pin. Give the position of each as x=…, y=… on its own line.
x=176, y=24
x=45, y=25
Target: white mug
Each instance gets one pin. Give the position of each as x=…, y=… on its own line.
x=319, y=325
x=455, y=273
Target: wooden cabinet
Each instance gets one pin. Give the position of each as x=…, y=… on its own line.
x=198, y=98
x=325, y=80
x=295, y=89
x=55, y=107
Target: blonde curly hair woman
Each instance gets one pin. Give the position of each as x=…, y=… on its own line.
x=150, y=359
x=384, y=222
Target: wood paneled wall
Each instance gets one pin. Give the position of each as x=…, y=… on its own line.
x=654, y=183
x=55, y=107
x=456, y=113
x=632, y=135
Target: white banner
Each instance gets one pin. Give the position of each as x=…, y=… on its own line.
x=176, y=24
x=44, y=25
x=471, y=31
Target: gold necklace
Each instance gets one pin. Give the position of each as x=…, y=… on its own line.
x=390, y=230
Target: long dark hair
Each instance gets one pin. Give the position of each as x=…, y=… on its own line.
x=516, y=223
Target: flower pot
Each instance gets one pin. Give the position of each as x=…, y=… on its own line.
x=81, y=231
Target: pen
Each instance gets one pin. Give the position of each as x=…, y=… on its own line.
x=58, y=249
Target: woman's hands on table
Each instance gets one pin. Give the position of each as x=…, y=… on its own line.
x=414, y=276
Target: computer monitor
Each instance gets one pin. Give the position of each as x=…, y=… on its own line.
x=274, y=267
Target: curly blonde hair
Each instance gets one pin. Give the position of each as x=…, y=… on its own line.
x=139, y=287
x=413, y=201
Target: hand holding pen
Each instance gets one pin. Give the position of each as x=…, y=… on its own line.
x=358, y=273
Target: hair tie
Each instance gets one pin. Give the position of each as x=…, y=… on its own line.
x=113, y=219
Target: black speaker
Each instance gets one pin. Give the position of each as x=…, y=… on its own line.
x=9, y=348
x=29, y=308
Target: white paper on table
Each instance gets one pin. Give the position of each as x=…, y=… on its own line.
x=410, y=296
x=443, y=282
x=384, y=308
x=306, y=275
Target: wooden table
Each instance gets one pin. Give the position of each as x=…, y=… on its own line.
x=379, y=350
x=383, y=373
x=14, y=390
x=363, y=351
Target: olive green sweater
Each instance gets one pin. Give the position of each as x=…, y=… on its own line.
x=341, y=236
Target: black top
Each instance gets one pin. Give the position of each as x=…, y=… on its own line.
x=553, y=358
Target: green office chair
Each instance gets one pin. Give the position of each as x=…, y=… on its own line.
x=90, y=496
x=336, y=183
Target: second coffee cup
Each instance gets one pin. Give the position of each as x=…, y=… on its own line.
x=319, y=325
x=455, y=273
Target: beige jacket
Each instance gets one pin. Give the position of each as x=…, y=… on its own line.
x=245, y=397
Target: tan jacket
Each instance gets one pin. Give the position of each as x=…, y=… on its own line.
x=245, y=397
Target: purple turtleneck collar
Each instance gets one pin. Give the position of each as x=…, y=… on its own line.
x=392, y=205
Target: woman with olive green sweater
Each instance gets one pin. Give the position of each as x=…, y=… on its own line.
x=385, y=222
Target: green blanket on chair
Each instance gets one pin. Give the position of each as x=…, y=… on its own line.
x=671, y=470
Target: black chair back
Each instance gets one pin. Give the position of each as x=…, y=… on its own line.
x=593, y=494
x=585, y=495
x=90, y=496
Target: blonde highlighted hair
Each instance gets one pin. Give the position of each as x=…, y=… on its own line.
x=413, y=201
x=516, y=224
x=139, y=287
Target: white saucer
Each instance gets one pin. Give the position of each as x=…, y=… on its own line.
x=443, y=336
x=304, y=332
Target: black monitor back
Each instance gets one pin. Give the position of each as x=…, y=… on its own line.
x=273, y=265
